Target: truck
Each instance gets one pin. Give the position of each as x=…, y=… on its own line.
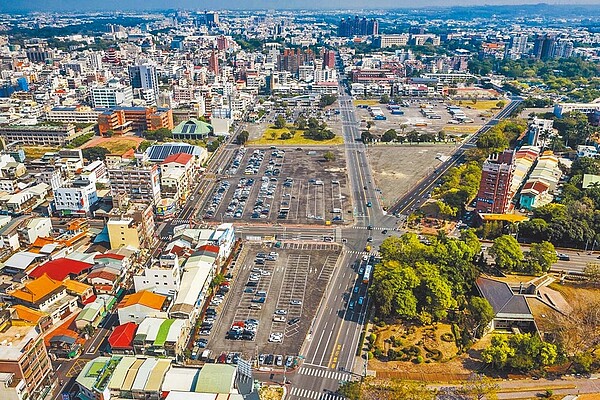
x=397, y=112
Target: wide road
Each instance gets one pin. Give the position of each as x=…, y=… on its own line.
x=330, y=349
x=412, y=200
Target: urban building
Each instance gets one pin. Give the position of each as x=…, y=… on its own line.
x=122, y=120
x=114, y=94
x=384, y=41
x=25, y=368
x=145, y=78
x=139, y=183
x=41, y=135
x=358, y=27
x=76, y=197
x=141, y=305
x=493, y=195
x=163, y=277
x=73, y=115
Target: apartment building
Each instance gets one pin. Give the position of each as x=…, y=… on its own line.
x=163, y=277
x=493, y=196
x=25, y=368
x=76, y=197
x=140, y=183
x=73, y=115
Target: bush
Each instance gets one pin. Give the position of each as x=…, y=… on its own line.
x=413, y=351
x=393, y=355
x=378, y=353
x=369, y=355
x=419, y=360
x=372, y=338
x=447, y=337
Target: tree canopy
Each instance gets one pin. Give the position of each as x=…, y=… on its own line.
x=524, y=352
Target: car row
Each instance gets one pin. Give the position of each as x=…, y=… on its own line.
x=228, y=358
x=243, y=330
x=277, y=360
x=216, y=200
x=237, y=160
x=254, y=162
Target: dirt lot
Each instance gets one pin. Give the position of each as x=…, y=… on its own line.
x=297, y=276
x=114, y=144
x=314, y=190
x=398, y=168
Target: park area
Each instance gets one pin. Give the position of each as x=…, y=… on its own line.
x=407, y=351
x=290, y=137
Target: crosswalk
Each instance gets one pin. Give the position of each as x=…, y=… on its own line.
x=299, y=393
x=362, y=253
x=180, y=221
x=374, y=228
x=325, y=373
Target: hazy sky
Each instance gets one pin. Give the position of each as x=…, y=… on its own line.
x=74, y=5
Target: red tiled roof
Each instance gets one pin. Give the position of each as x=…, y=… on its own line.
x=122, y=336
x=102, y=273
x=180, y=158
x=109, y=255
x=209, y=248
x=60, y=268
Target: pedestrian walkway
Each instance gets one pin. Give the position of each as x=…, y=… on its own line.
x=299, y=393
x=325, y=373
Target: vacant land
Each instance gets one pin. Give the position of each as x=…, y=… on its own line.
x=481, y=105
x=272, y=137
x=398, y=168
x=115, y=145
x=33, y=152
x=367, y=103
x=457, y=130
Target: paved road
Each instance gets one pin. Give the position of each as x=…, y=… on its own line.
x=330, y=349
x=419, y=194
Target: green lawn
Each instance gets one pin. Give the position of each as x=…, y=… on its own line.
x=272, y=137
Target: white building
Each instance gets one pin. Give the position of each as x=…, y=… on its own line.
x=75, y=197
x=162, y=278
x=112, y=95
x=74, y=115
x=585, y=108
x=392, y=40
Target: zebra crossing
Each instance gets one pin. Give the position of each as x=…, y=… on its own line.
x=362, y=253
x=325, y=373
x=299, y=393
x=180, y=221
x=373, y=228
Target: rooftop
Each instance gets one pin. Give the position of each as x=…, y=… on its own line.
x=146, y=298
x=14, y=339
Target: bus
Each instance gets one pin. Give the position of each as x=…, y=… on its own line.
x=367, y=275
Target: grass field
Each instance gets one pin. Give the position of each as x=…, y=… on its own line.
x=33, y=152
x=115, y=145
x=482, y=105
x=461, y=128
x=272, y=137
x=366, y=102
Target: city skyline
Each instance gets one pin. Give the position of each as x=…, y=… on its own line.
x=74, y=5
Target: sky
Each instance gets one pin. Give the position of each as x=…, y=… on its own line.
x=77, y=5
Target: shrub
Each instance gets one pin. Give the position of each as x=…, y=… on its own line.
x=369, y=355
x=419, y=360
x=447, y=337
x=378, y=353
x=372, y=338
x=393, y=355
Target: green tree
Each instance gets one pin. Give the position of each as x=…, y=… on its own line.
x=142, y=147
x=94, y=153
x=366, y=137
x=384, y=99
x=523, y=352
x=243, y=137
x=301, y=122
x=592, y=273
x=482, y=313
x=329, y=156
x=389, y=136
x=434, y=293
x=506, y=252
x=280, y=122
x=541, y=254
x=500, y=104
x=350, y=390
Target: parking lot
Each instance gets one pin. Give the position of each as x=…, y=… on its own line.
x=272, y=301
x=291, y=185
x=413, y=118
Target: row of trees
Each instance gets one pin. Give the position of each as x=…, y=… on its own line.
x=497, y=139
x=414, y=136
x=508, y=255
x=459, y=186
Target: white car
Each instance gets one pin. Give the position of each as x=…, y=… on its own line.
x=279, y=318
x=296, y=302
x=280, y=312
x=276, y=337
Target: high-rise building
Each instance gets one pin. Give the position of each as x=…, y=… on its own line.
x=543, y=46
x=112, y=95
x=516, y=47
x=358, y=27
x=213, y=62
x=493, y=196
x=144, y=77
x=222, y=43
x=329, y=59
x=292, y=59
